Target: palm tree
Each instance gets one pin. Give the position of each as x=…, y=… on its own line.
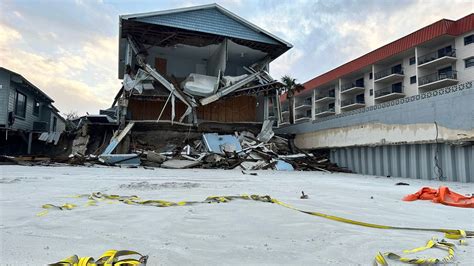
x=291, y=87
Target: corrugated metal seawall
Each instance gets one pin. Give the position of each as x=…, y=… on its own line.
x=410, y=161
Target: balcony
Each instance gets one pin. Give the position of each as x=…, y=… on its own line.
x=389, y=93
x=352, y=88
x=327, y=97
x=285, y=121
x=352, y=104
x=437, y=58
x=389, y=75
x=302, y=117
x=438, y=80
x=305, y=105
x=324, y=111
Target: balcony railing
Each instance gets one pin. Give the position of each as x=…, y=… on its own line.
x=388, y=72
x=324, y=109
x=302, y=116
x=352, y=101
x=351, y=85
x=388, y=90
x=437, y=76
x=307, y=101
x=435, y=55
x=324, y=95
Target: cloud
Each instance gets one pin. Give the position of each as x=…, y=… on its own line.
x=70, y=49
x=77, y=81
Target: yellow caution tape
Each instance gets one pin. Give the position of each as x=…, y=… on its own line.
x=135, y=200
x=433, y=243
x=109, y=258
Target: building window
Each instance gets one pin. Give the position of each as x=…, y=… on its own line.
x=469, y=39
x=371, y=92
x=370, y=75
x=412, y=79
x=469, y=62
x=412, y=61
x=55, y=123
x=36, y=108
x=20, y=105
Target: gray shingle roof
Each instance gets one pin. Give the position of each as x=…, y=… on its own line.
x=208, y=20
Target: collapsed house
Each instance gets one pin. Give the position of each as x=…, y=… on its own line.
x=193, y=66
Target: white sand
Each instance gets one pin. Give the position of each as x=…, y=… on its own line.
x=235, y=233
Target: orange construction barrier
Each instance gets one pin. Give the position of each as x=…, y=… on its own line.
x=442, y=195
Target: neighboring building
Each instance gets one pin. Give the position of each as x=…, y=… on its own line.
x=211, y=61
x=25, y=109
x=376, y=113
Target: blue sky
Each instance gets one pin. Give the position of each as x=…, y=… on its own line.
x=69, y=48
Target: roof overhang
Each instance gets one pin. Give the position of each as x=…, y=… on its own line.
x=155, y=34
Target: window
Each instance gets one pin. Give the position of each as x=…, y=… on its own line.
x=412, y=79
x=55, y=123
x=469, y=39
x=412, y=61
x=371, y=92
x=20, y=105
x=469, y=62
x=36, y=108
x=370, y=75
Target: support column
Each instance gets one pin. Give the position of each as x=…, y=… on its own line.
x=30, y=139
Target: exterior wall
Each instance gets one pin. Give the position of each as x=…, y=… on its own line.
x=463, y=52
x=4, y=96
x=60, y=123
x=409, y=71
x=410, y=161
x=26, y=123
x=369, y=85
x=406, y=120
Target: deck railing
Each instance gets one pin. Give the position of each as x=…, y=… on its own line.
x=352, y=101
x=452, y=74
x=435, y=55
x=388, y=90
x=388, y=72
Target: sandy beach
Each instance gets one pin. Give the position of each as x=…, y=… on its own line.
x=234, y=233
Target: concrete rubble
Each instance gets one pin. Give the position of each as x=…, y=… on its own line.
x=242, y=149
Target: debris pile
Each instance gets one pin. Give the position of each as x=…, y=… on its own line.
x=242, y=149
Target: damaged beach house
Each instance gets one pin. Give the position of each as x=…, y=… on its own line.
x=185, y=72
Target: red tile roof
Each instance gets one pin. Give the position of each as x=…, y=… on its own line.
x=437, y=29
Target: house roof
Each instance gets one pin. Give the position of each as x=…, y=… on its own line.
x=29, y=84
x=432, y=31
x=212, y=19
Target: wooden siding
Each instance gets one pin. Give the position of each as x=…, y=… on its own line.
x=5, y=88
x=27, y=122
x=150, y=109
x=234, y=109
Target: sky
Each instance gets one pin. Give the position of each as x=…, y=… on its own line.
x=69, y=48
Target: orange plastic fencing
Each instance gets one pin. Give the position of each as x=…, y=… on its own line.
x=442, y=195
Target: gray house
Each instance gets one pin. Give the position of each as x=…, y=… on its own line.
x=212, y=61
x=24, y=111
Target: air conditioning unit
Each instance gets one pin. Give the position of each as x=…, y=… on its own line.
x=40, y=126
